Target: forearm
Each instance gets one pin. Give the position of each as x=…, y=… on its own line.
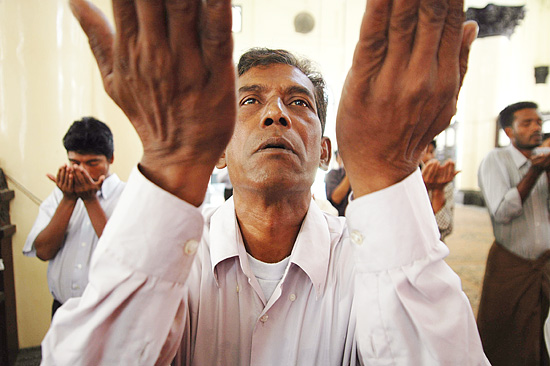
x=51, y=239
x=96, y=214
x=437, y=199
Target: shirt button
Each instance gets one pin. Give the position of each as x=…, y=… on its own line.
x=79, y=266
x=190, y=247
x=264, y=318
x=75, y=286
x=83, y=244
x=357, y=237
x=292, y=297
x=237, y=288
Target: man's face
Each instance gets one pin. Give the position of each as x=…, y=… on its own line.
x=95, y=165
x=526, y=130
x=428, y=154
x=277, y=142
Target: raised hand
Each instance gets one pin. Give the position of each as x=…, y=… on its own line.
x=402, y=88
x=169, y=68
x=541, y=161
x=64, y=181
x=436, y=175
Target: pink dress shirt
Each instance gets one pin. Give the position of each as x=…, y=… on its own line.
x=372, y=290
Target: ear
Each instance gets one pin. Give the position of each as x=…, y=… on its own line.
x=112, y=159
x=508, y=131
x=326, y=153
x=221, y=162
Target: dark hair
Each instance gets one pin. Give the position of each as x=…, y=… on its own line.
x=264, y=57
x=506, y=116
x=434, y=143
x=89, y=136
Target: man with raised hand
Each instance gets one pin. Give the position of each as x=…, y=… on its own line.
x=267, y=278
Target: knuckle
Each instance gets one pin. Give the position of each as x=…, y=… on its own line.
x=404, y=22
x=435, y=10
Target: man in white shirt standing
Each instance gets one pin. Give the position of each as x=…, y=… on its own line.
x=267, y=278
x=514, y=298
x=73, y=216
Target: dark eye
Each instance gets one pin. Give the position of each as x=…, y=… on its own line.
x=249, y=101
x=300, y=102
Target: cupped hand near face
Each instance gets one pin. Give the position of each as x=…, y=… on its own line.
x=84, y=185
x=541, y=161
x=64, y=181
x=436, y=175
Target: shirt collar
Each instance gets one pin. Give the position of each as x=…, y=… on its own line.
x=517, y=157
x=311, y=252
x=109, y=185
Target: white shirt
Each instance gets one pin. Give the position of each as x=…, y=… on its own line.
x=68, y=270
x=522, y=228
x=380, y=295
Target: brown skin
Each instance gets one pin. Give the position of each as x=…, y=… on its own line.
x=526, y=134
x=276, y=107
x=81, y=179
x=175, y=81
x=436, y=176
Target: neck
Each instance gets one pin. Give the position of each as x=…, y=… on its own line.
x=270, y=225
x=527, y=152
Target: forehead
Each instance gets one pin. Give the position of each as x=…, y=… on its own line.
x=275, y=77
x=73, y=155
x=526, y=113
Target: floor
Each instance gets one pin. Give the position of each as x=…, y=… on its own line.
x=468, y=243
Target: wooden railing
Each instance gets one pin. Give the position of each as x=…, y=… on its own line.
x=9, y=344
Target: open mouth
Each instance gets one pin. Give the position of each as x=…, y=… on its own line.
x=276, y=143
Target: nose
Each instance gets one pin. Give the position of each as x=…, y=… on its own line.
x=275, y=113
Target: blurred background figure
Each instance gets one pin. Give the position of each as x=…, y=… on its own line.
x=337, y=186
x=438, y=180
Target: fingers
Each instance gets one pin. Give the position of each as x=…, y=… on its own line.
x=151, y=17
x=216, y=38
x=51, y=177
x=183, y=27
x=432, y=15
x=99, y=33
x=373, y=40
x=401, y=35
x=451, y=39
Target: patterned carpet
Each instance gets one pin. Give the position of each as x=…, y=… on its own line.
x=28, y=357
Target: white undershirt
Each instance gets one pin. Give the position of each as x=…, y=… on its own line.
x=268, y=274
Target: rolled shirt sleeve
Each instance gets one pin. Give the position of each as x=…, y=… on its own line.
x=423, y=317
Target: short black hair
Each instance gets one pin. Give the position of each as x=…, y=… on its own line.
x=89, y=136
x=260, y=56
x=506, y=116
x=434, y=143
